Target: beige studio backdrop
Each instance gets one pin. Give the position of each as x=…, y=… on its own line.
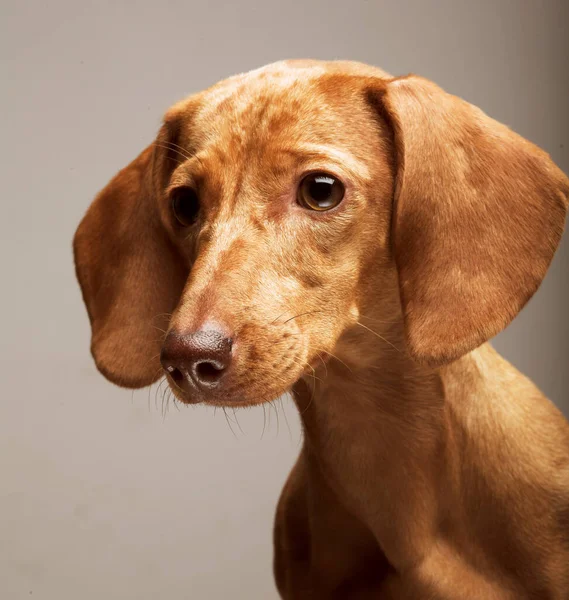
x=101, y=496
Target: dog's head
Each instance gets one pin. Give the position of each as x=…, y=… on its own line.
x=279, y=209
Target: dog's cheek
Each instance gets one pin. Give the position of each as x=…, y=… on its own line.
x=271, y=360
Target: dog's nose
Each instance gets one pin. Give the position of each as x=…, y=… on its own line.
x=196, y=360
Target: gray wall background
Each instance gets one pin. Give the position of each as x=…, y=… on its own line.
x=101, y=496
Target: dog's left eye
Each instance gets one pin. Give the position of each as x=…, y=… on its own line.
x=320, y=191
x=185, y=205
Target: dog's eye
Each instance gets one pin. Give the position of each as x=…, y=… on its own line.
x=320, y=191
x=185, y=205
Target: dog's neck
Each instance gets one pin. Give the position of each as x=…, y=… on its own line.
x=377, y=433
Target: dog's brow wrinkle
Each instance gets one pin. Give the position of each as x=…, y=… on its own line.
x=344, y=159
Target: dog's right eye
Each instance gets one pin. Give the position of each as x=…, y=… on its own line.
x=320, y=192
x=185, y=205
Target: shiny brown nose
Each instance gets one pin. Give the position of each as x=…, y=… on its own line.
x=196, y=360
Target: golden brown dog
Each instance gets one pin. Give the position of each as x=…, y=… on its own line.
x=357, y=238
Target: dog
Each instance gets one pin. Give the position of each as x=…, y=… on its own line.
x=356, y=238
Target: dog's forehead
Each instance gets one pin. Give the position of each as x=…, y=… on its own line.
x=261, y=103
x=273, y=78
x=281, y=104
x=279, y=77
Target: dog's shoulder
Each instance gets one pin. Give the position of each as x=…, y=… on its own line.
x=486, y=392
x=517, y=438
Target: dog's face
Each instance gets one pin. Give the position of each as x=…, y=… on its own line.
x=282, y=211
x=277, y=209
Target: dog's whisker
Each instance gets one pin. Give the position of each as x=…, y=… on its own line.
x=174, y=159
x=303, y=365
x=164, y=331
x=295, y=399
x=273, y=322
x=165, y=395
x=264, y=421
x=323, y=362
x=168, y=401
x=286, y=418
x=237, y=421
x=160, y=383
x=271, y=403
x=313, y=391
x=173, y=148
x=160, y=315
x=153, y=358
x=335, y=357
x=156, y=398
x=183, y=150
x=227, y=420
x=393, y=322
x=310, y=312
x=163, y=402
x=379, y=336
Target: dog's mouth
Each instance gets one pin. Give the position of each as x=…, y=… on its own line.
x=249, y=364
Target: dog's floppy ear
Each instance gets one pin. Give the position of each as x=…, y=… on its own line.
x=478, y=214
x=130, y=274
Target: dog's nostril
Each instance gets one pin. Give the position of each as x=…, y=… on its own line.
x=196, y=360
x=176, y=375
x=208, y=372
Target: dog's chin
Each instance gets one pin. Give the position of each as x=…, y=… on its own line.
x=238, y=397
